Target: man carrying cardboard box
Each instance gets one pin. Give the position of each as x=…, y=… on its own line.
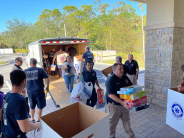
x=116, y=107
x=15, y=121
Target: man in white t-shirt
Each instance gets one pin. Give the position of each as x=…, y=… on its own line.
x=60, y=57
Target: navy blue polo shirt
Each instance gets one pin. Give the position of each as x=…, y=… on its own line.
x=89, y=76
x=88, y=56
x=113, y=84
x=132, y=67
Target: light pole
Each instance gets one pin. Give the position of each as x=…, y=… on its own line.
x=140, y=5
x=65, y=29
x=110, y=40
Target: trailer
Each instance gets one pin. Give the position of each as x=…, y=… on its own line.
x=40, y=49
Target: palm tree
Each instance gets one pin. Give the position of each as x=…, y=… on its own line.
x=140, y=5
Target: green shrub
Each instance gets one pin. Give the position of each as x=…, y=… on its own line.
x=21, y=51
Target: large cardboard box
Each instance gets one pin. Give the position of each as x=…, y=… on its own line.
x=78, y=64
x=75, y=121
x=106, y=71
x=175, y=110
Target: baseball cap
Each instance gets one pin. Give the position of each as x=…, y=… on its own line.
x=87, y=47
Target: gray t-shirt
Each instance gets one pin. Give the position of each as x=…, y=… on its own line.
x=72, y=71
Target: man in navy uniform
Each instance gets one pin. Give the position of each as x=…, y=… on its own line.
x=89, y=75
x=133, y=67
x=117, y=108
x=88, y=56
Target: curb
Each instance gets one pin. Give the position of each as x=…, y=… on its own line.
x=5, y=64
x=103, y=63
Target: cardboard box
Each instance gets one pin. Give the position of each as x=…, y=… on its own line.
x=75, y=121
x=175, y=110
x=107, y=71
x=133, y=96
x=78, y=64
x=138, y=102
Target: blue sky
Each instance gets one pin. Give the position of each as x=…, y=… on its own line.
x=29, y=10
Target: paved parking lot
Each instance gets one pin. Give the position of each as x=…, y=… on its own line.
x=149, y=123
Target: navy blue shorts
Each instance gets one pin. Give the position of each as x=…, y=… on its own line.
x=37, y=98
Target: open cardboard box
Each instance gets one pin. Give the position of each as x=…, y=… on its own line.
x=175, y=110
x=106, y=71
x=75, y=121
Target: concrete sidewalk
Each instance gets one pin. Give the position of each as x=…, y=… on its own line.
x=149, y=123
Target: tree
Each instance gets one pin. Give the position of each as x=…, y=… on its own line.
x=93, y=22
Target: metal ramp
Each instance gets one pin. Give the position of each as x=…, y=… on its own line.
x=59, y=93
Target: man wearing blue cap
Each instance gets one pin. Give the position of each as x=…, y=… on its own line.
x=88, y=56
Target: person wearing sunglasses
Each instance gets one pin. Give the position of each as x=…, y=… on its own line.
x=18, y=64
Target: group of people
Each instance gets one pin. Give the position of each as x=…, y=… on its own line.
x=59, y=57
x=14, y=105
x=123, y=75
x=65, y=64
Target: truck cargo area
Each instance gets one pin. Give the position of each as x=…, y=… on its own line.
x=58, y=91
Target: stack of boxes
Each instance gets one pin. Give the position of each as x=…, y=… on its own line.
x=134, y=95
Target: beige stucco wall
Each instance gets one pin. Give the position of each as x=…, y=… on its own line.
x=179, y=11
x=160, y=11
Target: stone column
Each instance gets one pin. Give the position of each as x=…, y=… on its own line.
x=164, y=57
x=164, y=50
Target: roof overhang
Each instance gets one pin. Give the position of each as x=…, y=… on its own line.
x=140, y=1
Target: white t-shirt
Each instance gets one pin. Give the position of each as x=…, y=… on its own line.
x=60, y=57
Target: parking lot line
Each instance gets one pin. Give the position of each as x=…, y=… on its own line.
x=9, y=86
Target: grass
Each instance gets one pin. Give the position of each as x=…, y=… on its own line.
x=3, y=62
x=140, y=63
x=137, y=56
